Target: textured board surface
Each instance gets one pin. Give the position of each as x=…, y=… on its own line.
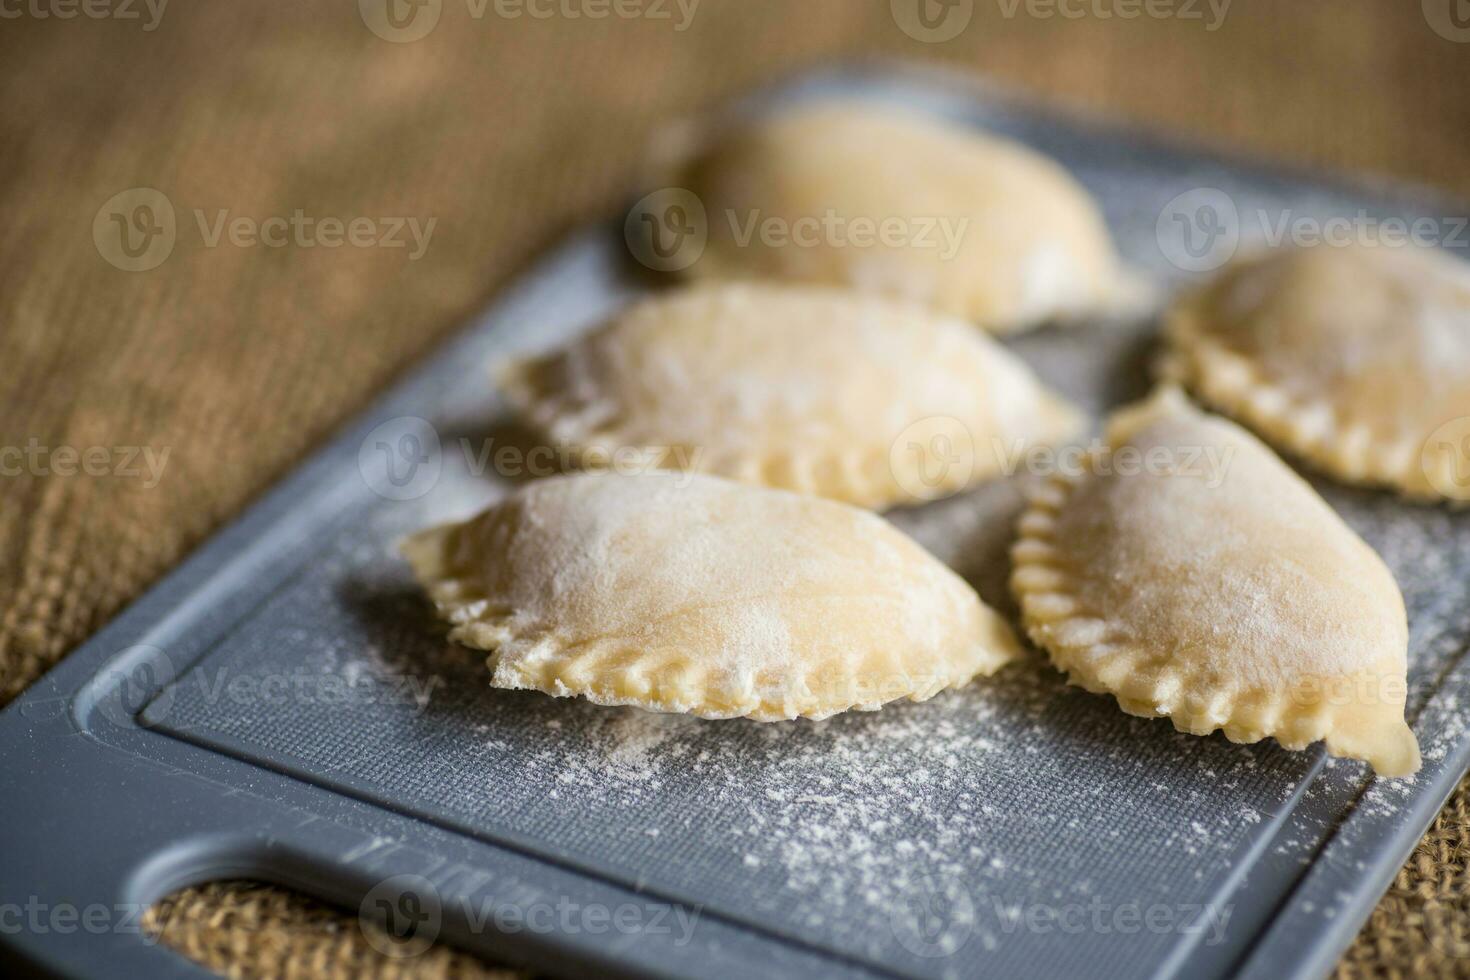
x=1017, y=827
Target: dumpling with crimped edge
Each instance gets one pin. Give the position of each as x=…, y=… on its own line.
x=1356, y=358
x=683, y=593
x=1214, y=586
x=812, y=389
x=874, y=198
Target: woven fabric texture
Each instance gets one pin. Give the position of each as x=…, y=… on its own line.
x=180, y=392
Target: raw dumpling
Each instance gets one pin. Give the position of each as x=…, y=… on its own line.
x=893, y=202
x=1190, y=573
x=805, y=388
x=1354, y=358
x=676, y=592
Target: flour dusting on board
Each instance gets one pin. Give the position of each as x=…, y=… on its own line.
x=854, y=819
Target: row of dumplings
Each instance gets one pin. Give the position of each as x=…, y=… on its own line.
x=736, y=578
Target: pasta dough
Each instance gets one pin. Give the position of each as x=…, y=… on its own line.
x=881, y=200
x=1235, y=600
x=676, y=592
x=1355, y=358
x=804, y=388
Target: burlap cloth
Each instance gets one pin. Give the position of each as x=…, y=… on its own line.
x=509, y=131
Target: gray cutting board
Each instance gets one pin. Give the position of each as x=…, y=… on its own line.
x=284, y=707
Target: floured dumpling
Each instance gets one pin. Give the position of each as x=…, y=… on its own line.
x=894, y=202
x=1355, y=358
x=1213, y=585
x=676, y=592
x=805, y=388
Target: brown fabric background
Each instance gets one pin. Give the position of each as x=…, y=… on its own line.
x=509, y=132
